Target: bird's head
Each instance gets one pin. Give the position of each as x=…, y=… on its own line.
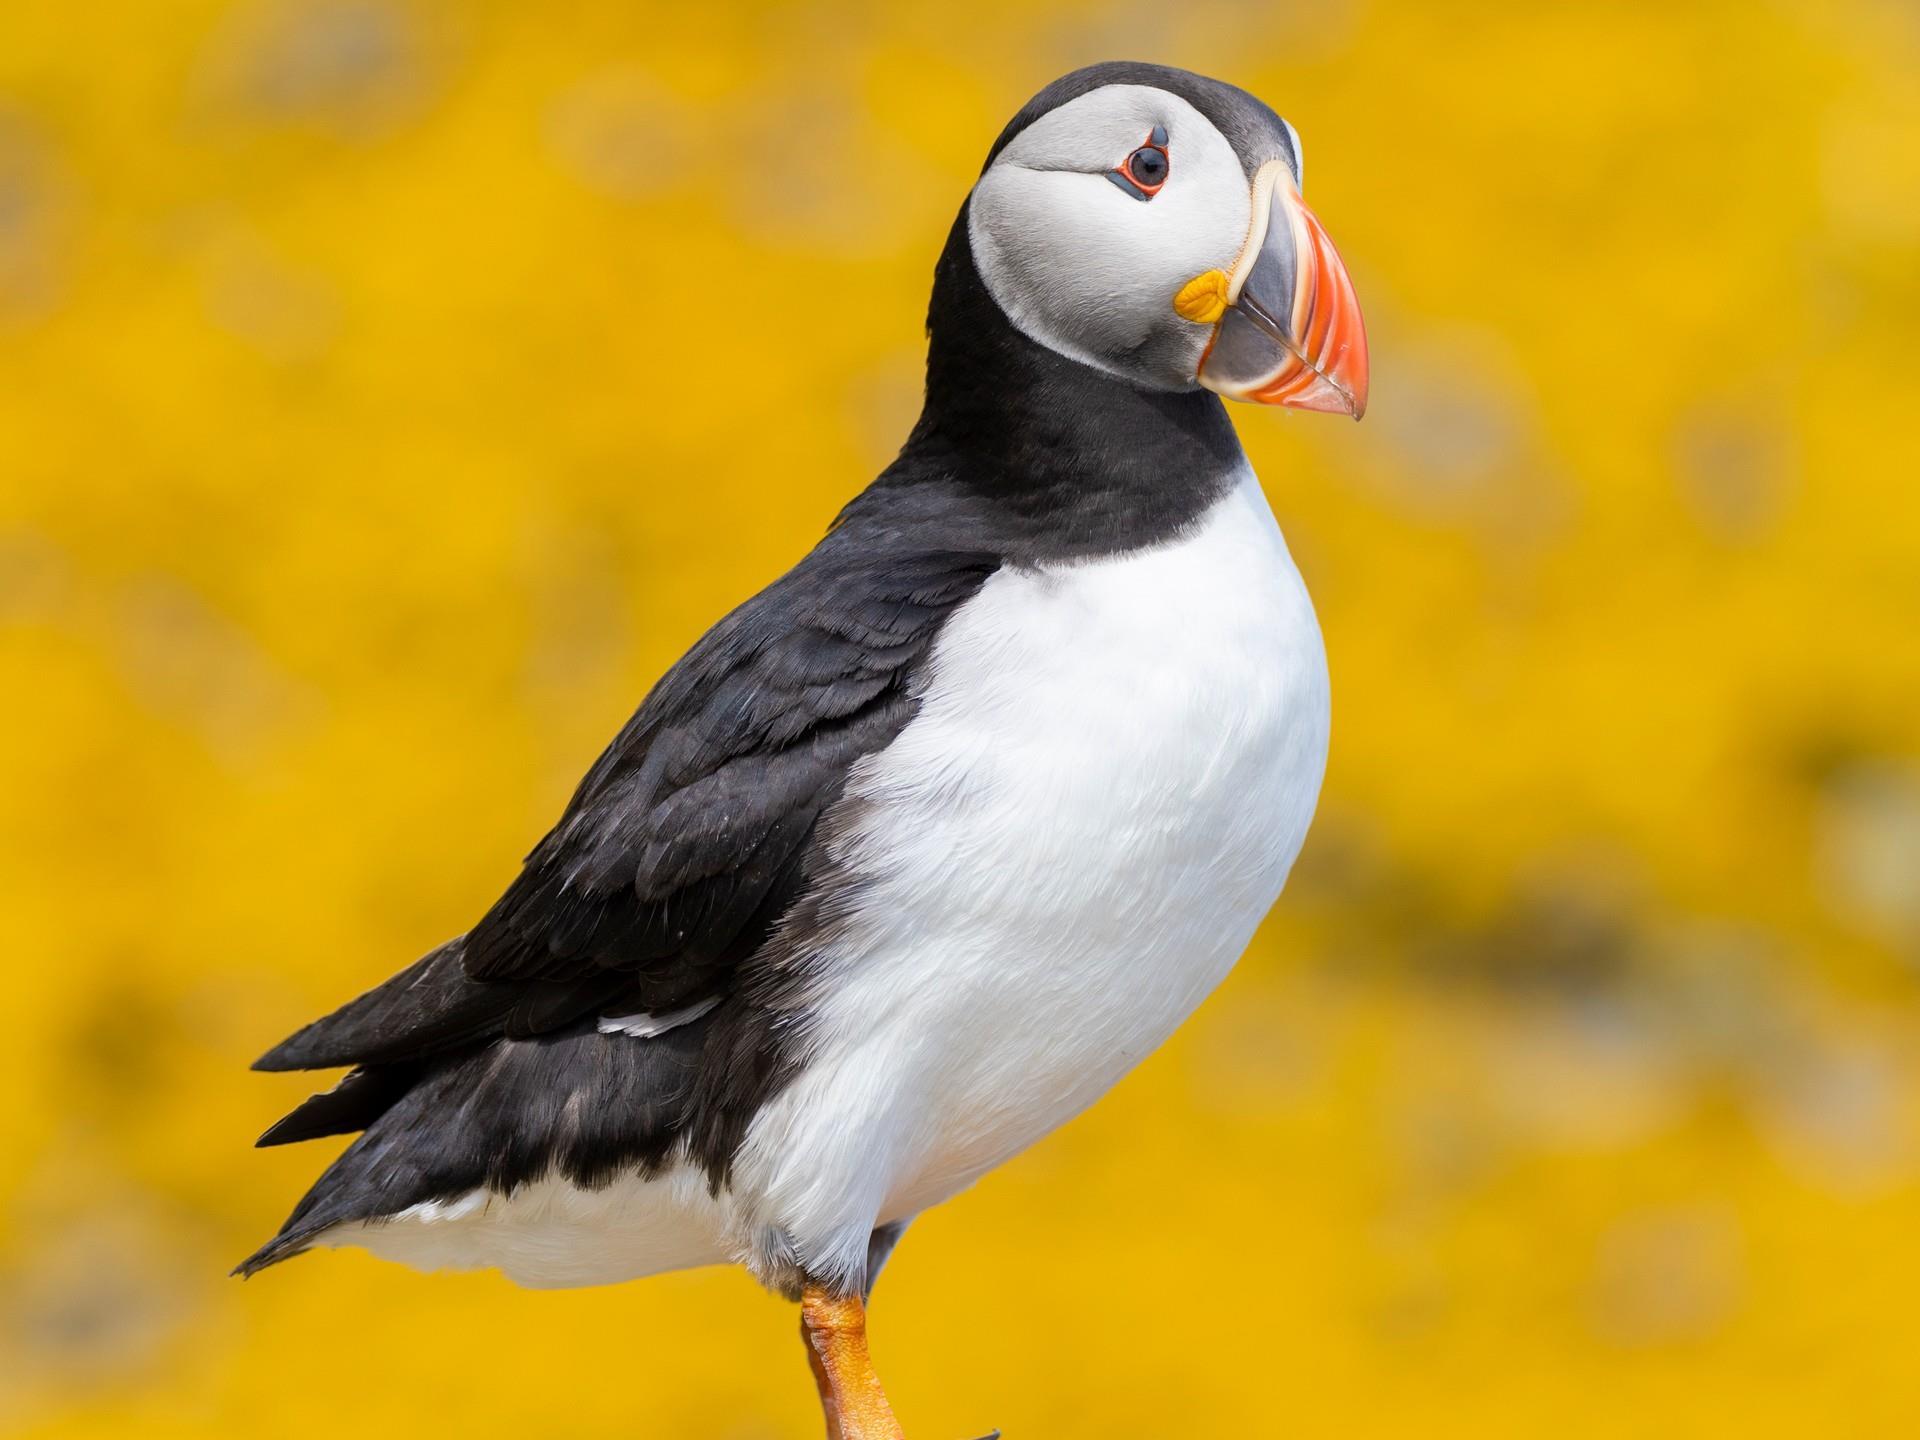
x=1149, y=223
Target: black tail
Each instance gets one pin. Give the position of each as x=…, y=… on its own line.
x=497, y=1115
x=457, y=1082
x=351, y=1106
x=433, y=1007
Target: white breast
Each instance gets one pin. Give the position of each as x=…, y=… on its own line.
x=1111, y=772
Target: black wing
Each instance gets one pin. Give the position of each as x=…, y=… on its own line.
x=688, y=838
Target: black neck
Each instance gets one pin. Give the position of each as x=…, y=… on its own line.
x=1056, y=457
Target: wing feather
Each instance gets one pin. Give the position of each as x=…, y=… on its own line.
x=689, y=835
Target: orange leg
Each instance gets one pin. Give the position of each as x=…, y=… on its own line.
x=835, y=1328
x=820, y=1381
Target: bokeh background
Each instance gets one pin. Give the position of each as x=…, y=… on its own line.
x=390, y=389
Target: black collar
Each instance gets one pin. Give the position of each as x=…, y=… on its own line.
x=1032, y=455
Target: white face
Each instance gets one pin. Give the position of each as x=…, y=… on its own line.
x=1087, y=267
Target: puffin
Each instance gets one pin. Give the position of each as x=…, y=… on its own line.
x=920, y=849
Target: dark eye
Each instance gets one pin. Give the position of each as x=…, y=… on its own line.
x=1143, y=172
x=1147, y=168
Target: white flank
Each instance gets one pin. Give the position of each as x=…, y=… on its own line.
x=553, y=1234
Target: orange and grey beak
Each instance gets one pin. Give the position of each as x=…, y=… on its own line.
x=1287, y=328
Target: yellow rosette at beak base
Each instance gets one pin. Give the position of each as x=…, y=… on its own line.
x=1203, y=299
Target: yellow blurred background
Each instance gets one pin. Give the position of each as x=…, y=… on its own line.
x=391, y=389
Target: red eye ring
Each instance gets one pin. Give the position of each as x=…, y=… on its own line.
x=1143, y=173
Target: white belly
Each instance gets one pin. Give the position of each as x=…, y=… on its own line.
x=1110, y=774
